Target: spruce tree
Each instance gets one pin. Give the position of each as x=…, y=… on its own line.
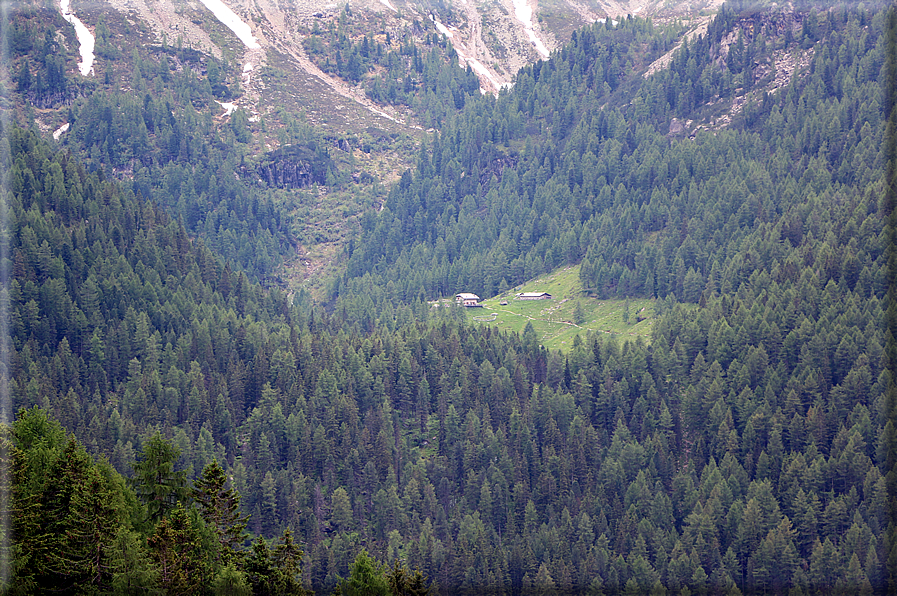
x=219, y=506
x=156, y=481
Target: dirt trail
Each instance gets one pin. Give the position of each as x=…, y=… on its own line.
x=297, y=52
x=273, y=25
x=280, y=28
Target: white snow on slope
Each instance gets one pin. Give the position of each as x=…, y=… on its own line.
x=86, y=39
x=58, y=132
x=228, y=107
x=388, y=5
x=478, y=66
x=230, y=19
x=442, y=28
x=474, y=63
x=524, y=14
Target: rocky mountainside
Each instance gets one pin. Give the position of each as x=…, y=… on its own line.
x=281, y=73
x=494, y=38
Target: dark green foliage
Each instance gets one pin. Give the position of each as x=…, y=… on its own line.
x=747, y=448
x=522, y=184
x=41, y=60
x=277, y=572
x=73, y=528
x=156, y=481
x=177, y=550
x=179, y=160
x=67, y=510
x=162, y=134
x=430, y=81
x=219, y=507
x=402, y=582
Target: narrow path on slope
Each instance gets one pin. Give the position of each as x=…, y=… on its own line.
x=699, y=28
x=297, y=52
x=279, y=32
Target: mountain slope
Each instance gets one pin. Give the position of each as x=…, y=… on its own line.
x=743, y=448
x=272, y=75
x=580, y=160
x=748, y=448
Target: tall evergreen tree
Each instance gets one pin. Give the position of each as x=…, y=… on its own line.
x=219, y=506
x=156, y=480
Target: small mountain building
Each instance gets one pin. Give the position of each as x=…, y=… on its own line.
x=534, y=296
x=467, y=299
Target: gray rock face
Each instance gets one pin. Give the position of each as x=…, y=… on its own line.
x=293, y=167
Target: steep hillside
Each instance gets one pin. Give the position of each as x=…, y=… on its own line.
x=742, y=450
x=587, y=159
x=269, y=67
x=747, y=448
x=496, y=39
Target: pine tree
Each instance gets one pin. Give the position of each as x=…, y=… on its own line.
x=156, y=481
x=219, y=506
x=133, y=570
x=176, y=547
x=277, y=572
x=230, y=581
x=403, y=582
x=366, y=578
x=94, y=518
x=288, y=557
x=342, y=508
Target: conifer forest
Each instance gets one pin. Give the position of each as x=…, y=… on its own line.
x=182, y=420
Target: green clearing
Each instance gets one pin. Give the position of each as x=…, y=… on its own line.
x=554, y=319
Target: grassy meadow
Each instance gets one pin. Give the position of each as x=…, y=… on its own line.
x=555, y=320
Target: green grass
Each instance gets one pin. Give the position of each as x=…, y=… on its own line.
x=553, y=319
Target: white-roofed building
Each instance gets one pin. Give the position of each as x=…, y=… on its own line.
x=467, y=299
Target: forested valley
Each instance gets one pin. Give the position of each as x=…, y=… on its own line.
x=184, y=425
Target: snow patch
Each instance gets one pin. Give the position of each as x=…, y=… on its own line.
x=475, y=64
x=524, y=14
x=58, y=132
x=478, y=66
x=442, y=28
x=228, y=107
x=388, y=5
x=86, y=40
x=230, y=19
